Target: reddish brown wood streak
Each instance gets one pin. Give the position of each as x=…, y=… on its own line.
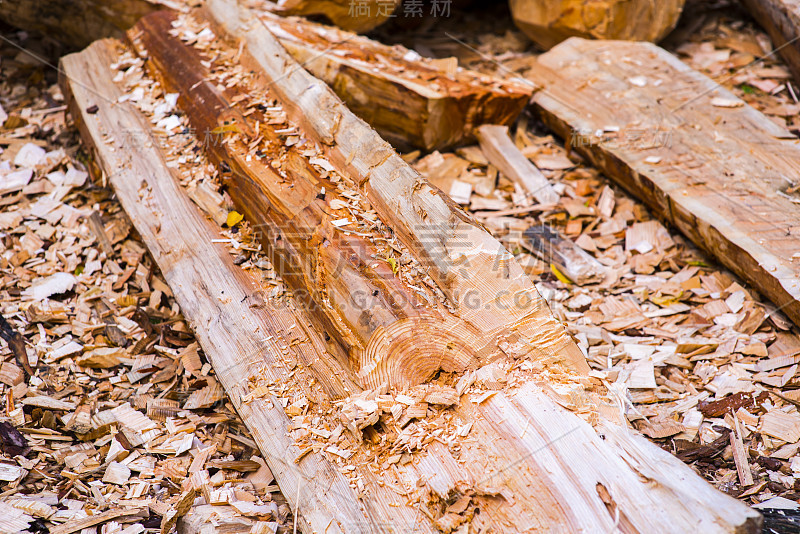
x=318, y=262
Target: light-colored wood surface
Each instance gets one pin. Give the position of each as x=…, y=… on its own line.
x=549, y=22
x=704, y=161
x=93, y=520
x=214, y=295
x=410, y=100
x=566, y=475
x=499, y=303
x=572, y=261
x=528, y=459
x=354, y=294
x=501, y=152
x=781, y=19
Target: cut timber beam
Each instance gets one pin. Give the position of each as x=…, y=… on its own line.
x=410, y=100
x=322, y=246
x=715, y=168
x=781, y=19
x=239, y=330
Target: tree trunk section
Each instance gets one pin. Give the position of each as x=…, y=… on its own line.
x=351, y=293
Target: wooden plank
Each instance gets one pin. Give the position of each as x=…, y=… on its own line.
x=781, y=19
x=712, y=166
x=503, y=154
x=410, y=100
x=242, y=340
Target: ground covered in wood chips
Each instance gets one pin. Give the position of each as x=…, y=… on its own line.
x=109, y=400
x=709, y=367
x=110, y=407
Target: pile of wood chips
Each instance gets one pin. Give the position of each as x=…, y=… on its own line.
x=708, y=368
x=122, y=422
x=113, y=421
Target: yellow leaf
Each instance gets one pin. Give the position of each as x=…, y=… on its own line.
x=393, y=263
x=234, y=218
x=666, y=301
x=228, y=128
x=561, y=276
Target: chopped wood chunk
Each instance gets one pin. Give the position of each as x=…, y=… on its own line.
x=638, y=20
x=781, y=425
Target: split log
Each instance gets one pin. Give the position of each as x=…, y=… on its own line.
x=358, y=16
x=706, y=162
x=410, y=100
x=238, y=329
x=484, y=284
x=317, y=242
x=549, y=22
x=79, y=22
x=781, y=19
x=535, y=476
